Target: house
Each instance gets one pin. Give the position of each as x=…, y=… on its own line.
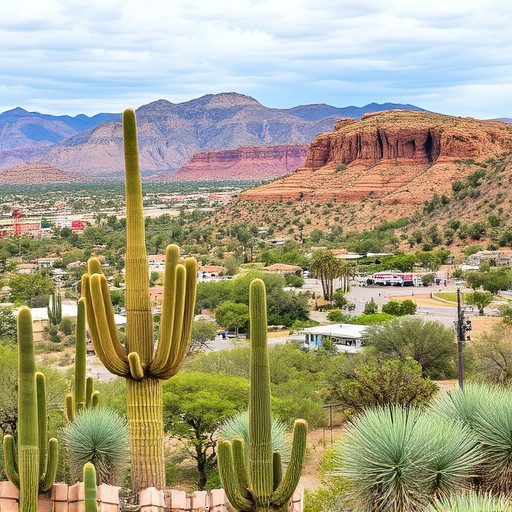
x=207, y=272
x=156, y=262
x=498, y=258
x=347, y=337
x=47, y=262
x=27, y=268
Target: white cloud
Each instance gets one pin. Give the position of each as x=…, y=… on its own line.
x=67, y=56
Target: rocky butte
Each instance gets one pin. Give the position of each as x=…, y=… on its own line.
x=397, y=157
x=255, y=162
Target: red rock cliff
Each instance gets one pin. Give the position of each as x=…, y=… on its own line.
x=419, y=137
x=397, y=156
x=257, y=162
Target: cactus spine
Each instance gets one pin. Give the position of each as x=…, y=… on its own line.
x=83, y=390
x=257, y=485
x=142, y=366
x=90, y=489
x=55, y=309
x=32, y=469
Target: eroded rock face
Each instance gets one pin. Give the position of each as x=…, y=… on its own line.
x=256, y=162
x=419, y=137
x=394, y=156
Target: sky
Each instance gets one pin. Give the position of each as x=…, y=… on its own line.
x=71, y=57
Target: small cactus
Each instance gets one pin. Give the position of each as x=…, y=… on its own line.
x=90, y=489
x=55, y=309
x=258, y=485
x=33, y=466
x=83, y=395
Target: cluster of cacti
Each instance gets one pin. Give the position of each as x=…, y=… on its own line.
x=90, y=489
x=55, y=309
x=258, y=484
x=33, y=465
x=83, y=395
x=138, y=361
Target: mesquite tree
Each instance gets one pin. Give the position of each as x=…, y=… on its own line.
x=138, y=361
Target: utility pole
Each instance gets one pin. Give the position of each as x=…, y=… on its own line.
x=462, y=326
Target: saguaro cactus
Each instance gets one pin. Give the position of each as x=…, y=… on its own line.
x=83, y=389
x=257, y=485
x=55, y=309
x=138, y=361
x=90, y=489
x=32, y=467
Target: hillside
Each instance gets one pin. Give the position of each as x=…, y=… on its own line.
x=387, y=167
x=27, y=174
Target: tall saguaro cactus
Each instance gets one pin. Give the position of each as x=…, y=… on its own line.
x=33, y=466
x=257, y=485
x=83, y=395
x=139, y=362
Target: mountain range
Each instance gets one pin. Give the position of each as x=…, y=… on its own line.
x=170, y=134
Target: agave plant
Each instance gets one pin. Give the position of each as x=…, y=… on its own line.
x=99, y=436
x=397, y=458
x=237, y=426
x=471, y=502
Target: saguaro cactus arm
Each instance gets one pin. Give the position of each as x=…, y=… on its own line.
x=10, y=465
x=104, y=333
x=230, y=481
x=291, y=478
x=90, y=489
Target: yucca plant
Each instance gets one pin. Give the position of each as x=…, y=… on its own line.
x=487, y=409
x=237, y=426
x=471, y=502
x=464, y=405
x=397, y=458
x=99, y=436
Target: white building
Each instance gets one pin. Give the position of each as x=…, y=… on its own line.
x=347, y=337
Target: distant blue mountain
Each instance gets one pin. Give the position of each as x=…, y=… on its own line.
x=319, y=111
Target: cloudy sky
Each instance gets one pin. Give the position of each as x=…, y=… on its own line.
x=71, y=56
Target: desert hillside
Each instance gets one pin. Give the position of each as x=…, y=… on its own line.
x=387, y=167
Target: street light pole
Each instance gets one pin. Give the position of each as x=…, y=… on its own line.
x=460, y=338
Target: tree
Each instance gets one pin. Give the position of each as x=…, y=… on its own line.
x=383, y=382
x=202, y=331
x=7, y=325
x=32, y=290
x=429, y=343
x=326, y=267
x=493, y=353
x=399, y=308
x=480, y=299
x=9, y=387
x=232, y=315
x=195, y=405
